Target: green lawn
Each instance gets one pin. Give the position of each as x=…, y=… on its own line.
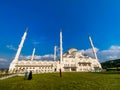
x=69, y=81
x=2, y=75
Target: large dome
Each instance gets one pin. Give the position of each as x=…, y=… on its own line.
x=73, y=53
x=70, y=51
x=77, y=54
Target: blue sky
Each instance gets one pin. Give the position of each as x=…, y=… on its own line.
x=44, y=18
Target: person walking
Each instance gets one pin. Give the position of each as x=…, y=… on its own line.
x=25, y=75
x=60, y=72
x=30, y=75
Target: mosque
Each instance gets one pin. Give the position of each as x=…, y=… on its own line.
x=71, y=61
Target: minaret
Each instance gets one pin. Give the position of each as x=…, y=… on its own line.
x=20, y=46
x=93, y=49
x=33, y=54
x=61, y=49
x=15, y=60
x=61, y=58
x=94, y=52
x=54, y=53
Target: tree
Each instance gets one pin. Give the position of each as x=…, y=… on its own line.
x=118, y=65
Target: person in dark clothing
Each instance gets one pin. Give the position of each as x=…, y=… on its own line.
x=60, y=72
x=55, y=70
x=30, y=75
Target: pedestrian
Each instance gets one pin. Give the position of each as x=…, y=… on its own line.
x=60, y=72
x=55, y=70
x=25, y=75
x=30, y=75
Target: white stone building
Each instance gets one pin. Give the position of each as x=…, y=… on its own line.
x=71, y=61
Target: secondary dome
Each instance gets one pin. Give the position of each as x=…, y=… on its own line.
x=70, y=51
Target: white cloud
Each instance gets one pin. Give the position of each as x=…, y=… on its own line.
x=35, y=42
x=3, y=61
x=48, y=56
x=89, y=51
x=11, y=47
x=38, y=57
x=110, y=54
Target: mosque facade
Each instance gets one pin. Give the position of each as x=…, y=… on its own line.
x=71, y=61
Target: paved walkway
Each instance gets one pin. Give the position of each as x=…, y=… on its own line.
x=9, y=76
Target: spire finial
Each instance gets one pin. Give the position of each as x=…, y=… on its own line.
x=26, y=29
x=60, y=29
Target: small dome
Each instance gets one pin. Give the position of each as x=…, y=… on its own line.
x=70, y=51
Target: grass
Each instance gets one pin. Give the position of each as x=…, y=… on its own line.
x=2, y=75
x=69, y=81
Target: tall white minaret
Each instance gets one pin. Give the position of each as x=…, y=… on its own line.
x=20, y=46
x=61, y=49
x=93, y=49
x=33, y=54
x=94, y=52
x=55, y=53
x=15, y=60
